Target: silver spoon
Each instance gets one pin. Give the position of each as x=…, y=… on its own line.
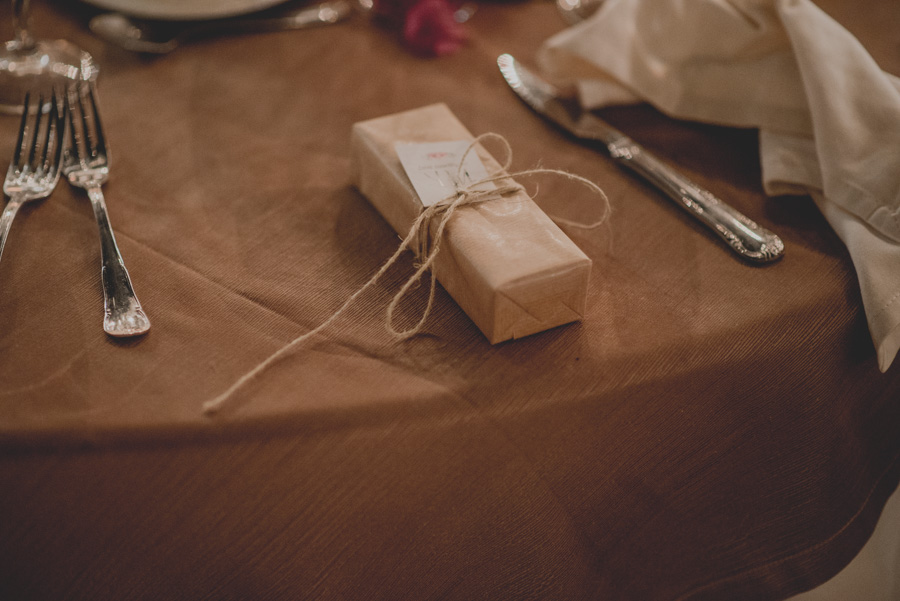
x=160, y=38
x=575, y=11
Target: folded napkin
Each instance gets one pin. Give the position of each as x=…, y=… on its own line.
x=829, y=117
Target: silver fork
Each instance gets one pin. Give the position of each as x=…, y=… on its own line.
x=86, y=165
x=34, y=169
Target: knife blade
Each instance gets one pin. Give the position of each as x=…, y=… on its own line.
x=744, y=236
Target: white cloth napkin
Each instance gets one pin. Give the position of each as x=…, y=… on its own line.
x=829, y=117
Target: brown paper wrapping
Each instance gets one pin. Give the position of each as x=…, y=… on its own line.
x=506, y=264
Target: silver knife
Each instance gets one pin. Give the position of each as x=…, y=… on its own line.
x=745, y=237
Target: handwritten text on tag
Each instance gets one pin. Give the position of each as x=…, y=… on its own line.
x=432, y=168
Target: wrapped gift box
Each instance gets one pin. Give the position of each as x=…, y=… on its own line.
x=507, y=265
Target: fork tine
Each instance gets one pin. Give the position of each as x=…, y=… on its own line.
x=35, y=135
x=52, y=116
x=89, y=146
x=98, y=127
x=20, y=142
x=73, y=133
x=60, y=132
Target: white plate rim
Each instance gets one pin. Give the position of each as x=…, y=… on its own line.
x=184, y=10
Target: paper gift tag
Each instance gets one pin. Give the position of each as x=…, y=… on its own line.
x=432, y=168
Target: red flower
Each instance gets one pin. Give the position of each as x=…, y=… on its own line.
x=427, y=27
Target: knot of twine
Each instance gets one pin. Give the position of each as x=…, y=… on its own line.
x=427, y=248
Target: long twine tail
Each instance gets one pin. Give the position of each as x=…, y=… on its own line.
x=212, y=406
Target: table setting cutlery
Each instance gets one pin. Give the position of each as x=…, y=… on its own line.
x=162, y=37
x=35, y=166
x=86, y=166
x=746, y=238
x=66, y=100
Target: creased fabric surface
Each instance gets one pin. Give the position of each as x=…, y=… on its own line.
x=711, y=430
x=828, y=114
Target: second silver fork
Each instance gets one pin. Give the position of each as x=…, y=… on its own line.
x=86, y=165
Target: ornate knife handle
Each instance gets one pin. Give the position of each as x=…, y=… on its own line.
x=745, y=237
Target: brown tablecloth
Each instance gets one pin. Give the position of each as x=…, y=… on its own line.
x=711, y=430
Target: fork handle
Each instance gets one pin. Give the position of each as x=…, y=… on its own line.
x=6, y=219
x=123, y=315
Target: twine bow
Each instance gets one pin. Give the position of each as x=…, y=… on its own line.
x=427, y=251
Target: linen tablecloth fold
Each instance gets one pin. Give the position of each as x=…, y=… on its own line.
x=828, y=115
